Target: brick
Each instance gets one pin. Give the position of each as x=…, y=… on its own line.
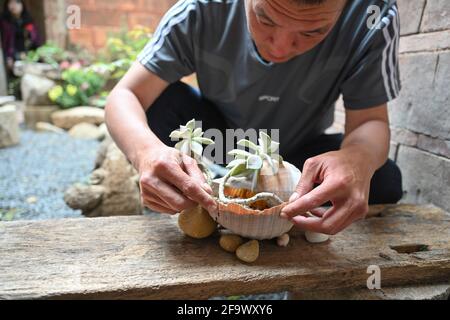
x=411, y=15
x=424, y=102
x=426, y=177
x=425, y=42
x=104, y=18
x=436, y=16
x=403, y=136
x=437, y=146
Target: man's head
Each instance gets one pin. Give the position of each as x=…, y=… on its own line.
x=283, y=29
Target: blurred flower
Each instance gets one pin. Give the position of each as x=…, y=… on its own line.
x=55, y=93
x=84, y=86
x=64, y=65
x=71, y=90
x=76, y=66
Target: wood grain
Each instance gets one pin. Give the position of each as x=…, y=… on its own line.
x=148, y=258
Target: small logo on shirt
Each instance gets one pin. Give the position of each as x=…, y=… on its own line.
x=269, y=98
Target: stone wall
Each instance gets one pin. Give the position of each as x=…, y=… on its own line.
x=420, y=117
x=100, y=17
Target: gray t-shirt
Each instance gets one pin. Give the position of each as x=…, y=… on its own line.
x=297, y=97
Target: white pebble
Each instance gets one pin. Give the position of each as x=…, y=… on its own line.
x=314, y=237
x=283, y=240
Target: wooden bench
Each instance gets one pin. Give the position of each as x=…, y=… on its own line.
x=147, y=257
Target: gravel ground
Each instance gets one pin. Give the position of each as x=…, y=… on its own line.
x=35, y=174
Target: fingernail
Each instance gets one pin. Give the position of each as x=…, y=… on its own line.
x=284, y=216
x=294, y=197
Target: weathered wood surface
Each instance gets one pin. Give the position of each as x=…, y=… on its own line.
x=417, y=292
x=148, y=257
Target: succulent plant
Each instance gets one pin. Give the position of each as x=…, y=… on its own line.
x=191, y=140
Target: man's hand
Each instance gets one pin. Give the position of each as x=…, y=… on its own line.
x=171, y=182
x=344, y=178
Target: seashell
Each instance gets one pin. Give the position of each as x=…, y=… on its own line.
x=253, y=223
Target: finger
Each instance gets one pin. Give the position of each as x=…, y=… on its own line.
x=327, y=191
x=308, y=177
x=192, y=169
x=191, y=189
x=332, y=221
x=156, y=207
x=168, y=195
x=318, y=212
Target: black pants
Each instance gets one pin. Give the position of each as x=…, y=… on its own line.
x=180, y=103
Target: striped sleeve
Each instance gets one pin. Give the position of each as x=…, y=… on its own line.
x=376, y=78
x=170, y=54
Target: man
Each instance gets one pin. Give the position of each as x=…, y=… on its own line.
x=268, y=64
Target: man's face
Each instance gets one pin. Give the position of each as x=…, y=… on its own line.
x=283, y=29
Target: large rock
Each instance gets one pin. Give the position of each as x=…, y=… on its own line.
x=35, y=114
x=35, y=90
x=9, y=127
x=113, y=188
x=85, y=131
x=45, y=70
x=426, y=177
x=67, y=119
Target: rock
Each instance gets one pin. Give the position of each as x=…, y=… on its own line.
x=426, y=177
x=410, y=15
x=114, y=188
x=436, y=16
x=85, y=131
x=84, y=197
x=283, y=240
x=35, y=90
x=314, y=237
x=48, y=127
x=230, y=242
x=101, y=152
x=9, y=127
x=45, y=70
x=104, y=132
x=35, y=114
x=67, y=119
x=6, y=100
x=248, y=252
x=196, y=223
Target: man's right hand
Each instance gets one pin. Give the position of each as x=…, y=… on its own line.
x=171, y=182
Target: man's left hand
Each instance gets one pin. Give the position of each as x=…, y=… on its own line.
x=344, y=177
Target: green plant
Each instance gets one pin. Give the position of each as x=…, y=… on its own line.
x=79, y=85
x=48, y=53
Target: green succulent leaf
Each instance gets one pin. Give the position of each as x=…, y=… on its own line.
x=248, y=144
x=254, y=162
x=236, y=162
x=202, y=140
